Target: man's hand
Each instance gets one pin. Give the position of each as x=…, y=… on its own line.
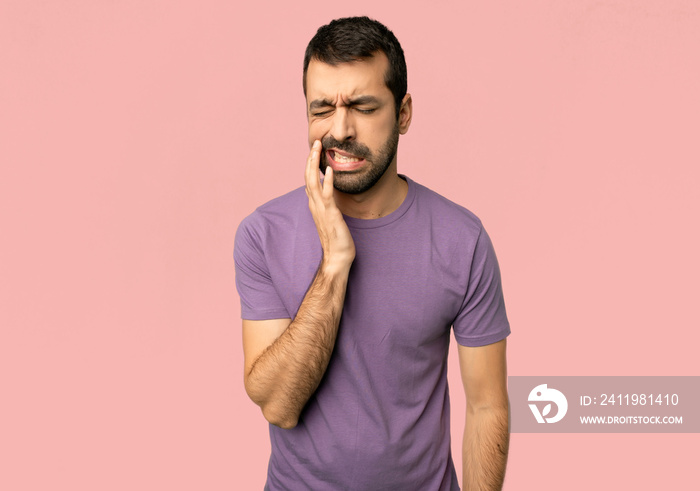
x=285, y=360
x=336, y=241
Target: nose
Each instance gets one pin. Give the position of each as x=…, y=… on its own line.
x=343, y=127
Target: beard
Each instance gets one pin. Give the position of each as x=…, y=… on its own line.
x=361, y=180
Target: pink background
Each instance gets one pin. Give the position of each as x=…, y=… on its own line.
x=135, y=135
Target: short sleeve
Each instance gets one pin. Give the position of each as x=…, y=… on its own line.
x=482, y=317
x=259, y=298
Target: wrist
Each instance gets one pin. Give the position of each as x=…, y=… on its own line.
x=335, y=267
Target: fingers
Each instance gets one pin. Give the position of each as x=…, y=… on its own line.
x=313, y=181
x=328, y=183
x=314, y=189
x=336, y=240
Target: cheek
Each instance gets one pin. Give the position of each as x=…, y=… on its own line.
x=319, y=128
x=375, y=135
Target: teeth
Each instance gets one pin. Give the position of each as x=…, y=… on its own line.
x=343, y=159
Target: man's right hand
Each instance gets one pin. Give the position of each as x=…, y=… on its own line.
x=285, y=360
x=336, y=241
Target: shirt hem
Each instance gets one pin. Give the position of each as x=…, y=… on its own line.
x=475, y=342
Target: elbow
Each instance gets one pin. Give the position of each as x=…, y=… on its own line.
x=495, y=406
x=277, y=412
x=283, y=419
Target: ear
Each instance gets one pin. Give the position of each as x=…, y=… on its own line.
x=405, y=114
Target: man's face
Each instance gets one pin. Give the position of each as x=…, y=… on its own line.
x=351, y=110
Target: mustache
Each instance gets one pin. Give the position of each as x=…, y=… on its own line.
x=349, y=146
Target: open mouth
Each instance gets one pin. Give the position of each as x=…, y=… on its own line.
x=340, y=160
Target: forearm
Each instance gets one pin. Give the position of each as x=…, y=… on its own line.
x=485, y=448
x=288, y=372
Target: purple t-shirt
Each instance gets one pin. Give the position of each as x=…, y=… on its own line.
x=380, y=419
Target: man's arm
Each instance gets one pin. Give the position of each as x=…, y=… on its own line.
x=285, y=361
x=486, y=433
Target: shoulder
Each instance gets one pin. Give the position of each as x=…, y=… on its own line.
x=280, y=212
x=273, y=221
x=445, y=214
x=283, y=208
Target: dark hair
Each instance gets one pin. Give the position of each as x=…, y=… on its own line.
x=353, y=38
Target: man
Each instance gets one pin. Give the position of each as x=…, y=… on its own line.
x=349, y=288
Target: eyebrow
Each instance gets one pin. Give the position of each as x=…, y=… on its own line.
x=363, y=99
x=319, y=103
x=357, y=101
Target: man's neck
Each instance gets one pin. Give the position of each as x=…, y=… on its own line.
x=383, y=198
